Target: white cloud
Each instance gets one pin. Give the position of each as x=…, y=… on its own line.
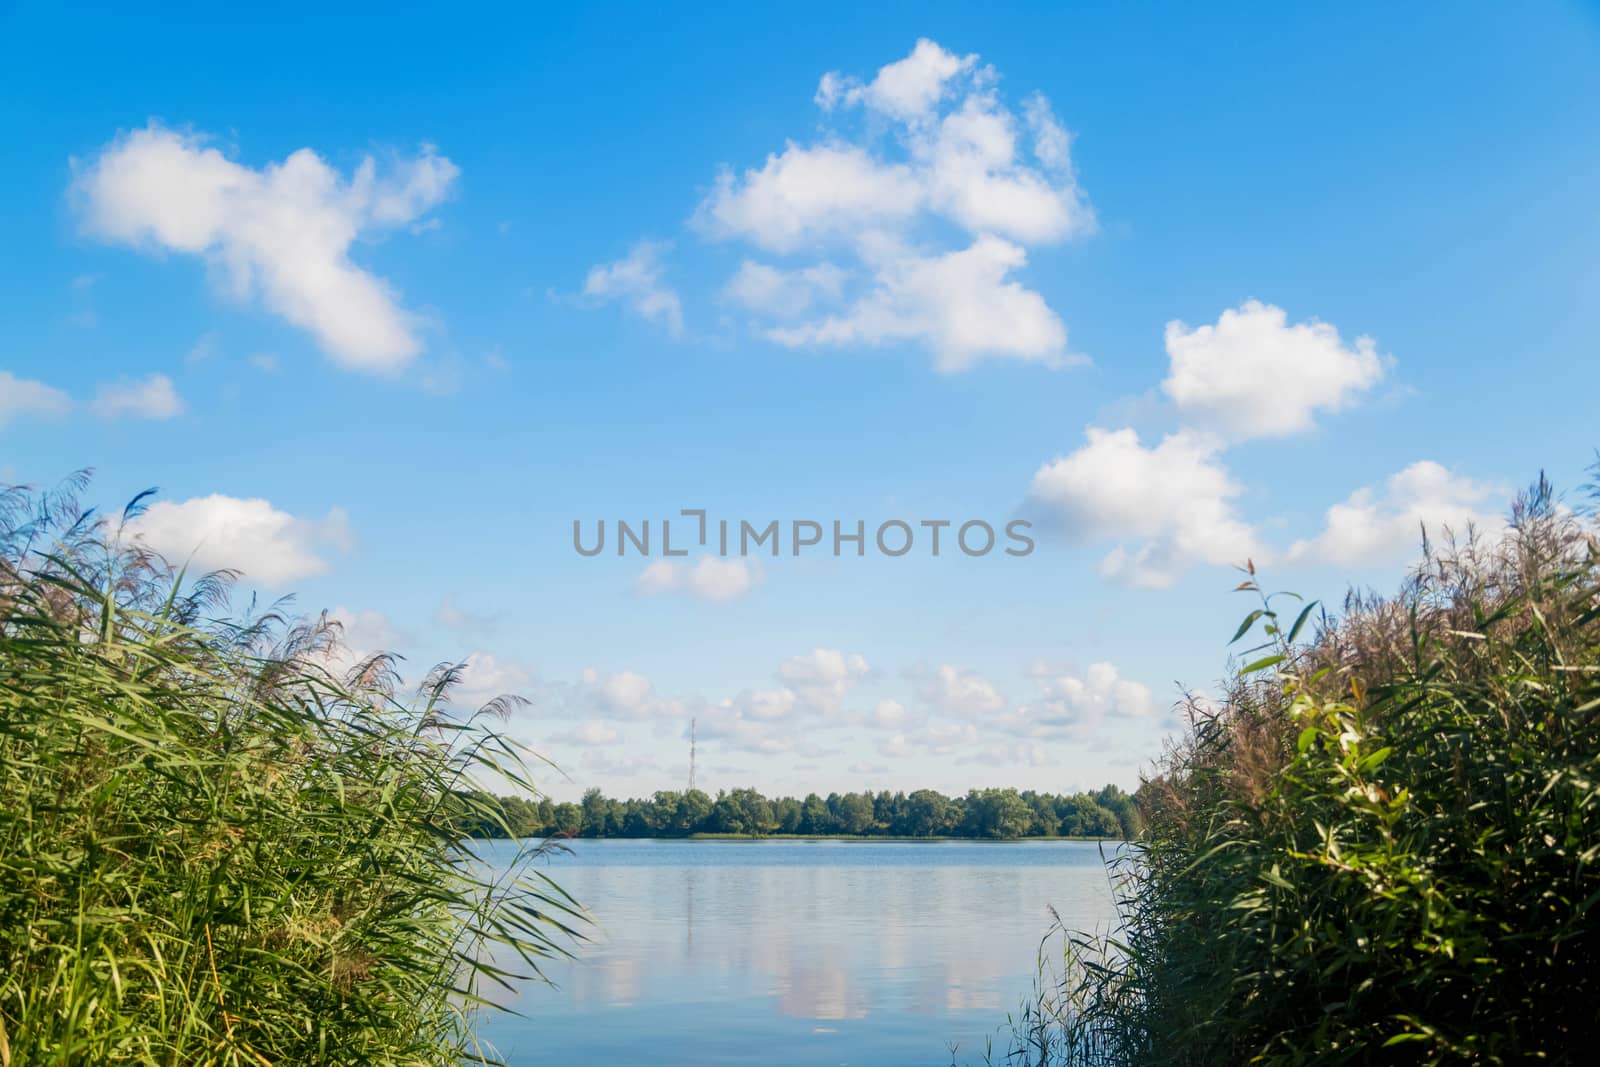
x=974, y=175
x=637, y=281
x=907, y=88
x=889, y=714
x=1052, y=144
x=821, y=678
x=1371, y=529
x=153, y=398
x=1015, y=754
x=1251, y=375
x=249, y=535
x=960, y=305
x=23, y=396
x=808, y=196
x=1254, y=375
x=485, y=677
x=625, y=694
x=282, y=232
x=765, y=705
x=1173, y=501
x=591, y=732
x=1069, y=699
x=812, y=689
x=968, y=715
x=783, y=294
x=367, y=631
x=964, y=692
x=822, y=666
x=708, y=578
x=942, y=153
x=936, y=739
x=362, y=633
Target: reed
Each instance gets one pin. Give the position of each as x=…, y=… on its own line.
x=1381, y=845
x=217, y=847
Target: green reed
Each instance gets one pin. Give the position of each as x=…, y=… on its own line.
x=217, y=848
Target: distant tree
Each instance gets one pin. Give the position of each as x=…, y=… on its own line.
x=888, y=811
x=1002, y=813
x=693, y=814
x=835, y=804
x=726, y=815
x=855, y=813
x=1124, y=807
x=815, y=818
x=927, y=813
x=1045, y=819
x=999, y=813
x=758, y=815
x=786, y=810
x=566, y=819
x=595, y=811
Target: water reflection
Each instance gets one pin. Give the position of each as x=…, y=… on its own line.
x=816, y=952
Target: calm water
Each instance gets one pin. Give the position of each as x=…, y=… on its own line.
x=799, y=953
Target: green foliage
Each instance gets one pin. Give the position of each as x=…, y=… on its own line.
x=213, y=850
x=988, y=813
x=1382, y=845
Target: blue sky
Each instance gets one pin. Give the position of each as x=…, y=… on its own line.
x=383, y=303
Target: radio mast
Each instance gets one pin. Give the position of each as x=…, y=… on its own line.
x=691, y=754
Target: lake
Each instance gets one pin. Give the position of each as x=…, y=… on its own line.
x=799, y=953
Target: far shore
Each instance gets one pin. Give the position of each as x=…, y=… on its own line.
x=846, y=837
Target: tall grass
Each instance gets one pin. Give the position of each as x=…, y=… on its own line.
x=1381, y=846
x=217, y=849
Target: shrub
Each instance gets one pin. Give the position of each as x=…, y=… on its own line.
x=215, y=848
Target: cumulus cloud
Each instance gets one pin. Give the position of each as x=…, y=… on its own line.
x=932, y=738
x=783, y=294
x=821, y=678
x=936, y=200
x=590, y=732
x=623, y=695
x=1373, y=528
x=889, y=714
x=708, y=578
x=485, y=677
x=1254, y=375
x=809, y=196
x=961, y=305
x=281, y=233
x=153, y=398
x=250, y=535
x=367, y=631
x=637, y=281
x=780, y=718
x=23, y=396
x=1167, y=506
x=906, y=89
x=967, y=715
x=1070, y=699
x=953, y=689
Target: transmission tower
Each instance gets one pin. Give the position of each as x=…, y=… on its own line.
x=691, y=754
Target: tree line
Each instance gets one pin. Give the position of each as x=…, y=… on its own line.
x=981, y=813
